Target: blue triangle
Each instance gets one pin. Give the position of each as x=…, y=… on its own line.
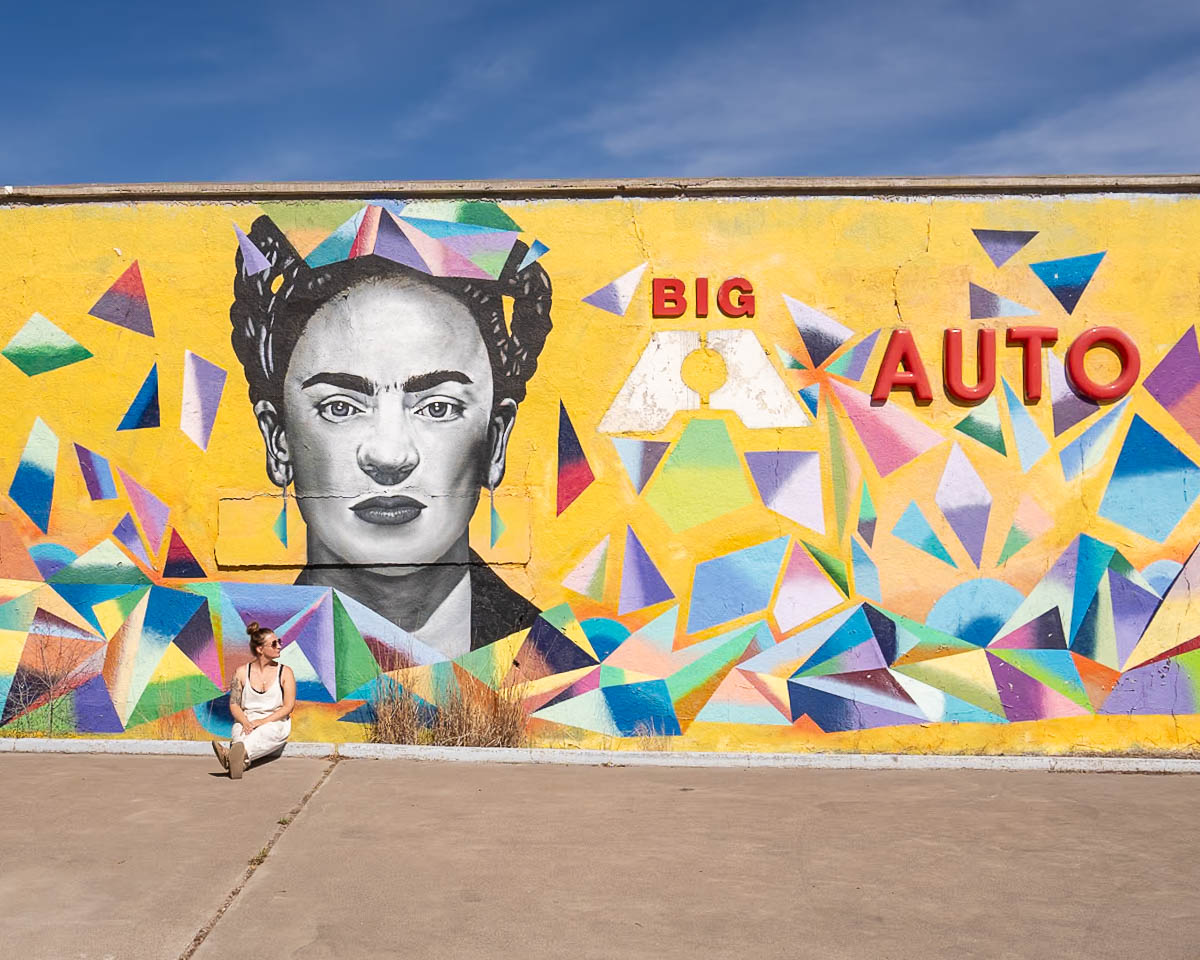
x=810, y=395
x=143, y=412
x=1067, y=279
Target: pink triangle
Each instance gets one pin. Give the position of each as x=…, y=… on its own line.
x=151, y=512
x=892, y=436
x=443, y=262
x=804, y=593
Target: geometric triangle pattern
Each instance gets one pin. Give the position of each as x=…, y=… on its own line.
x=821, y=334
x=203, y=383
x=1068, y=278
x=914, y=529
x=143, y=411
x=574, y=472
x=983, y=424
x=1153, y=483
x=985, y=304
x=125, y=304
x=616, y=296
x=789, y=482
x=32, y=487
x=1002, y=245
x=40, y=346
x=639, y=457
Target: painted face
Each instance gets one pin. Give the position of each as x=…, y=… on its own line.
x=387, y=402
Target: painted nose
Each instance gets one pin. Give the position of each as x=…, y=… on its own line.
x=389, y=454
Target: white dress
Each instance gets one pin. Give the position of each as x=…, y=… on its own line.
x=269, y=737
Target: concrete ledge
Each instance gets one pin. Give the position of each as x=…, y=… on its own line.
x=600, y=188
x=630, y=758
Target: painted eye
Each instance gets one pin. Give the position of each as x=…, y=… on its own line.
x=439, y=408
x=338, y=409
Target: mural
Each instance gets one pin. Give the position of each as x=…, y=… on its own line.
x=797, y=473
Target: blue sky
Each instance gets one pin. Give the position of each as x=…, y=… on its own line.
x=286, y=91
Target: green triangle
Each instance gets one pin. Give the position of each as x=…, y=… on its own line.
x=696, y=674
x=866, y=507
x=40, y=346
x=983, y=424
x=841, y=475
x=324, y=215
x=490, y=262
x=103, y=564
x=1015, y=541
x=481, y=213
x=171, y=696
x=702, y=479
x=1041, y=664
x=789, y=362
x=841, y=365
x=353, y=662
x=834, y=566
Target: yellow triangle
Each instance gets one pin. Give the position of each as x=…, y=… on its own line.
x=964, y=675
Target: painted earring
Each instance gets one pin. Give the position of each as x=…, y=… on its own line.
x=497, y=523
x=280, y=527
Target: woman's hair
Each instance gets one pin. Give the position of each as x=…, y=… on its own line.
x=270, y=309
x=257, y=636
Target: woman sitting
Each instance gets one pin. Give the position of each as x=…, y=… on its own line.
x=261, y=700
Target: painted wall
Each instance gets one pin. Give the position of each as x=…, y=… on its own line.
x=701, y=529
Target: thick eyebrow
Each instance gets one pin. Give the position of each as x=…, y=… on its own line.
x=343, y=381
x=427, y=381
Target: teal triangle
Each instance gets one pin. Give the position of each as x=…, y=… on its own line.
x=1090, y=567
x=498, y=526
x=914, y=529
x=1068, y=278
x=1031, y=442
x=280, y=526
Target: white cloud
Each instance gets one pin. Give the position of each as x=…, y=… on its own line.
x=894, y=88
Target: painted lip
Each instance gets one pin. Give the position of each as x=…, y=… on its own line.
x=388, y=511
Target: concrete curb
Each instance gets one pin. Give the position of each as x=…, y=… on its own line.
x=627, y=758
x=176, y=748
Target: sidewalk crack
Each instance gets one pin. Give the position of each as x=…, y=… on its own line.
x=257, y=860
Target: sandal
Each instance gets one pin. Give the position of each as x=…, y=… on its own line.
x=237, y=760
x=222, y=754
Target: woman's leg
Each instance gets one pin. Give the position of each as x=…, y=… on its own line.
x=267, y=738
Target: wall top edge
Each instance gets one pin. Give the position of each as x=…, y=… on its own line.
x=599, y=189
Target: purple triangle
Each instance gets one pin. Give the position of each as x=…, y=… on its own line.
x=1020, y=695
x=94, y=712
x=1132, y=609
x=1176, y=374
x=641, y=583
x=392, y=244
x=606, y=298
x=1155, y=688
x=253, y=260
x=1000, y=245
x=1042, y=633
x=203, y=382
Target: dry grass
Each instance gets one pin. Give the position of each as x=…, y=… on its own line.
x=474, y=716
x=648, y=737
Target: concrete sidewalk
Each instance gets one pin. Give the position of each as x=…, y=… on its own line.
x=114, y=857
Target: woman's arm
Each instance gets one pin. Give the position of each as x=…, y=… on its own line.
x=287, y=680
x=235, y=701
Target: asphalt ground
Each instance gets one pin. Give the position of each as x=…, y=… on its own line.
x=106, y=856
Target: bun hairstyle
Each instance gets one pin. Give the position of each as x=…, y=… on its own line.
x=270, y=309
x=257, y=636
